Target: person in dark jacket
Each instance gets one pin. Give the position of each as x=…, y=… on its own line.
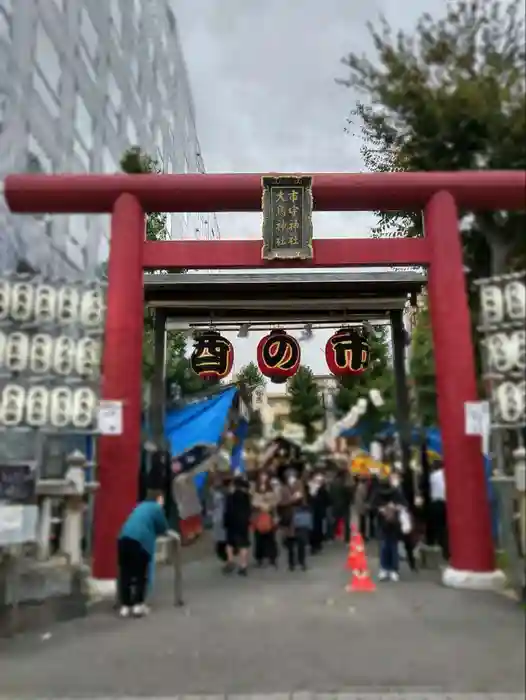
x=341, y=494
x=388, y=501
x=238, y=513
x=319, y=504
x=136, y=553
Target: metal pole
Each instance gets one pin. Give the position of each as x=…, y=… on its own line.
x=177, y=561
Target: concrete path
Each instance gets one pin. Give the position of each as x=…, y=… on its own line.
x=277, y=632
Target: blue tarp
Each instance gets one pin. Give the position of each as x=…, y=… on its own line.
x=198, y=425
x=241, y=432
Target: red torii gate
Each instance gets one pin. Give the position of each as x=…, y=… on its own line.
x=128, y=199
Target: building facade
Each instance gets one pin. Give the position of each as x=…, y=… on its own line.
x=80, y=82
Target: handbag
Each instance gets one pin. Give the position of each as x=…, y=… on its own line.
x=263, y=523
x=302, y=519
x=405, y=522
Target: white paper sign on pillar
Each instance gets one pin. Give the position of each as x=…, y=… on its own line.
x=109, y=418
x=477, y=421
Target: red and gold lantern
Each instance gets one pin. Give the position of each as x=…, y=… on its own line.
x=279, y=356
x=347, y=352
x=212, y=356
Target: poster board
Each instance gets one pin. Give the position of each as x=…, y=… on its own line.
x=18, y=508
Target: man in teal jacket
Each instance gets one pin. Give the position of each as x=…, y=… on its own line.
x=136, y=553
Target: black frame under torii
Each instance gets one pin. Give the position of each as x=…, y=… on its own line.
x=263, y=301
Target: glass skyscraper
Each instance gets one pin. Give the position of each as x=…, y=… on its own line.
x=80, y=82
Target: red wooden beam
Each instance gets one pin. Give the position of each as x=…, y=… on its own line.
x=335, y=252
x=71, y=194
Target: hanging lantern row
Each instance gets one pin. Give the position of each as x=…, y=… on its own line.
x=347, y=352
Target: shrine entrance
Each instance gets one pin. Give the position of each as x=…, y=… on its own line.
x=439, y=195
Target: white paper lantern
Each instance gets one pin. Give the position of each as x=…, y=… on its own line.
x=3, y=343
x=502, y=352
x=83, y=408
x=17, y=352
x=361, y=406
x=92, y=308
x=22, y=300
x=41, y=354
x=68, y=305
x=352, y=418
x=60, y=407
x=64, y=355
x=12, y=405
x=492, y=305
x=510, y=401
x=515, y=300
x=376, y=398
x=37, y=406
x=45, y=304
x=519, y=338
x=5, y=299
x=87, y=357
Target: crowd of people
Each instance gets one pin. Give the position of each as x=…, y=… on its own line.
x=298, y=510
x=286, y=507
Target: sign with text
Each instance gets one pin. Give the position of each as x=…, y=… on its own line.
x=287, y=217
x=109, y=419
x=477, y=417
x=18, y=482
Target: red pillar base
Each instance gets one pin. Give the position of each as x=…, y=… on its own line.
x=468, y=512
x=118, y=457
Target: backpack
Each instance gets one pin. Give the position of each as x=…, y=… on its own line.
x=263, y=523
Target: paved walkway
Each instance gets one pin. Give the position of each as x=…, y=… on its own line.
x=277, y=632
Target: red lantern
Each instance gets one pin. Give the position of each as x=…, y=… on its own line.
x=279, y=356
x=212, y=356
x=347, y=352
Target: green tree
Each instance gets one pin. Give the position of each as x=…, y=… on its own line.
x=250, y=376
x=449, y=95
x=422, y=371
x=306, y=406
x=378, y=376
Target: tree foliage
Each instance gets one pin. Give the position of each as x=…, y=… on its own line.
x=306, y=405
x=179, y=374
x=378, y=376
x=250, y=376
x=449, y=95
x=422, y=370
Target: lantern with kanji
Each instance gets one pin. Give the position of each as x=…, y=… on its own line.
x=212, y=356
x=347, y=352
x=279, y=356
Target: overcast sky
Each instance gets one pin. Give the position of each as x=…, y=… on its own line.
x=262, y=75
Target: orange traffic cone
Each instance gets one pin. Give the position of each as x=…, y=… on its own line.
x=357, y=561
x=361, y=582
x=339, y=530
x=355, y=556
